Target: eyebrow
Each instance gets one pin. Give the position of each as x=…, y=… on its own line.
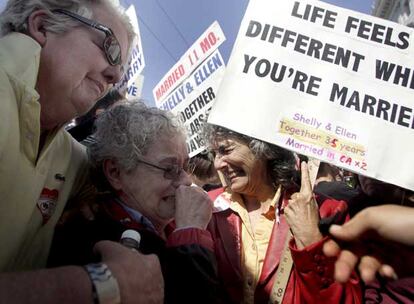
x=225, y=145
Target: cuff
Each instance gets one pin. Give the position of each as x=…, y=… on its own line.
x=312, y=261
x=308, y=258
x=190, y=235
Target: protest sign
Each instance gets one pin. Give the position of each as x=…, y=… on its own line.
x=136, y=61
x=205, y=45
x=192, y=100
x=326, y=82
x=134, y=90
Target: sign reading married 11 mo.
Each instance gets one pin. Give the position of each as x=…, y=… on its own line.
x=205, y=45
x=326, y=82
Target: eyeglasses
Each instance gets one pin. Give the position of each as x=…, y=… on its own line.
x=110, y=46
x=173, y=171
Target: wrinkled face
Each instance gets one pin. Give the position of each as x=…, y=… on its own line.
x=245, y=173
x=146, y=188
x=74, y=72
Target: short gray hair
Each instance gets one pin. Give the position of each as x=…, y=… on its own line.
x=280, y=162
x=16, y=13
x=125, y=132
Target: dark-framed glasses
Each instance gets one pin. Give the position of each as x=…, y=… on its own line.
x=172, y=172
x=111, y=46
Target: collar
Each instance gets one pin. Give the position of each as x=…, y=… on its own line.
x=234, y=201
x=113, y=208
x=19, y=60
x=25, y=54
x=137, y=216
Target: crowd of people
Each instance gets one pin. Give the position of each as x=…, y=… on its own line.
x=239, y=223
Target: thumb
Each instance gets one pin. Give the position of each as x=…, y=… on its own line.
x=107, y=249
x=354, y=229
x=350, y=231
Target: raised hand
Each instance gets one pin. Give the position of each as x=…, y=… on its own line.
x=193, y=207
x=302, y=213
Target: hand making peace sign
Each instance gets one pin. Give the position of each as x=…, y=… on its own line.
x=302, y=213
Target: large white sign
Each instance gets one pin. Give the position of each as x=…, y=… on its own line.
x=327, y=82
x=205, y=45
x=193, y=99
x=136, y=61
x=134, y=90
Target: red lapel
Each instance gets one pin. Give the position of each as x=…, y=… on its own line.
x=229, y=231
x=275, y=247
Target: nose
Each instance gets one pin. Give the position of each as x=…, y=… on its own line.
x=220, y=162
x=113, y=73
x=183, y=179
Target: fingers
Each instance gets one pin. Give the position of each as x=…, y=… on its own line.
x=295, y=196
x=388, y=272
x=108, y=249
x=305, y=186
x=351, y=230
x=368, y=268
x=193, y=207
x=331, y=248
x=345, y=265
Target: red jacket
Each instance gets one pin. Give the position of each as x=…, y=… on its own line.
x=311, y=279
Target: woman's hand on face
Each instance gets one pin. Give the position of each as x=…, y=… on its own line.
x=193, y=207
x=302, y=213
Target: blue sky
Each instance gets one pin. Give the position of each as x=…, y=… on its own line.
x=169, y=27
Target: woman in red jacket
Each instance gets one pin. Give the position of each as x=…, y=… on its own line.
x=267, y=231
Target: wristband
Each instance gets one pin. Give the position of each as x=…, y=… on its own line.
x=105, y=289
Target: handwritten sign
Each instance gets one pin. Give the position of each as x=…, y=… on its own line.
x=326, y=82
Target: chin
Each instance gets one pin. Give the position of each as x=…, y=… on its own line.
x=237, y=188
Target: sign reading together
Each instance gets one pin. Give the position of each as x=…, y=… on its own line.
x=326, y=82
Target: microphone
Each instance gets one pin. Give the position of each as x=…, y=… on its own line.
x=131, y=239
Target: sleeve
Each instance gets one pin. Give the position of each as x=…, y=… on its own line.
x=6, y=96
x=190, y=272
x=314, y=272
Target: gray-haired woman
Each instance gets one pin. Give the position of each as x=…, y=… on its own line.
x=140, y=158
x=252, y=220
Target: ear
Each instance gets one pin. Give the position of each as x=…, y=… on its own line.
x=36, y=29
x=112, y=174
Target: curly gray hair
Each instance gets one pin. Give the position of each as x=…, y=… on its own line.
x=280, y=162
x=16, y=13
x=124, y=134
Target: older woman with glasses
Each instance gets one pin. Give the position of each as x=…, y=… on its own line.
x=267, y=234
x=140, y=159
x=57, y=58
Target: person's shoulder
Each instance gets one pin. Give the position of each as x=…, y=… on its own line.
x=78, y=150
x=213, y=194
x=8, y=109
x=221, y=198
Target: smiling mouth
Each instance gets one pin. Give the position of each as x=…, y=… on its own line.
x=235, y=174
x=99, y=85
